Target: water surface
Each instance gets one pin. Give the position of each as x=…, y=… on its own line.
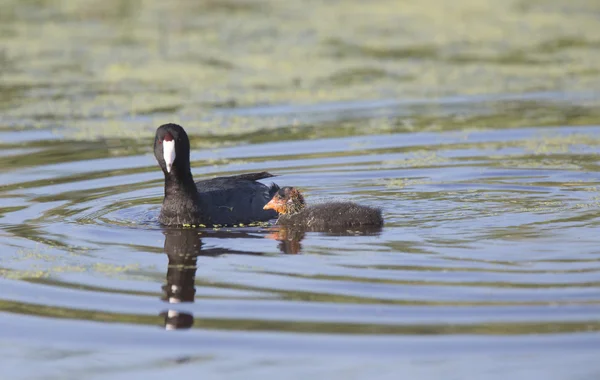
x=479, y=141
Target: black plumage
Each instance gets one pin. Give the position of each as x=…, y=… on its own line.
x=217, y=201
x=289, y=202
x=333, y=214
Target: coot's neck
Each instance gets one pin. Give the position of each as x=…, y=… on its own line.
x=290, y=218
x=180, y=183
x=181, y=204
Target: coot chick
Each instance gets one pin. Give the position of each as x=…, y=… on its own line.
x=217, y=201
x=292, y=209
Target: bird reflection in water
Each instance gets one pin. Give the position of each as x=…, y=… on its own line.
x=183, y=246
x=289, y=237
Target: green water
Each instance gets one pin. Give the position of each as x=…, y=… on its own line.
x=474, y=125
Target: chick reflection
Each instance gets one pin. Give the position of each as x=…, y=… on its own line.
x=290, y=236
x=289, y=239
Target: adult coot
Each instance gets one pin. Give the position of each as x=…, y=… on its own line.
x=217, y=201
x=289, y=203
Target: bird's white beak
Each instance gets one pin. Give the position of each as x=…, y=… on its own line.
x=169, y=153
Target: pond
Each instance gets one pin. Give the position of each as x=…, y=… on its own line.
x=473, y=125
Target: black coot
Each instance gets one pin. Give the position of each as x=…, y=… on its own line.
x=289, y=203
x=217, y=201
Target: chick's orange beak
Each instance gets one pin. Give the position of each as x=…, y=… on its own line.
x=274, y=204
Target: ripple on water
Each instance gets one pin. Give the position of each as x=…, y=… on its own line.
x=488, y=262
x=488, y=245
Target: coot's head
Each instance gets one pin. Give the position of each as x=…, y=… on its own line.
x=288, y=200
x=172, y=148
